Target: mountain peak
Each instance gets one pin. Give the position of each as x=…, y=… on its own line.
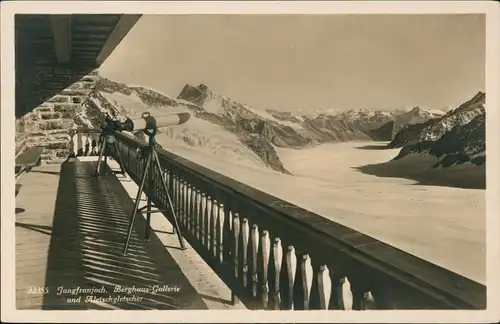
x=479, y=97
x=475, y=102
x=424, y=112
x=194, y=94
x=203, y=97
x=203, y=88
x=416, y=110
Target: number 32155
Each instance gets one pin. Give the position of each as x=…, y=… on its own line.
x=38, y=290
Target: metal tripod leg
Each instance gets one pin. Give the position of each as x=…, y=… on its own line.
x=119, y=158
x=137, y=201
x=149, y=193
x=98, y=167
x=170, y=205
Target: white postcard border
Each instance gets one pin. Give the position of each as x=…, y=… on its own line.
x=489, y=8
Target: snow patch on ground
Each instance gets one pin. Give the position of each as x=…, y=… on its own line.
x=208, y=141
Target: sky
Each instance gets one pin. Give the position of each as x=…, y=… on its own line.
x=309, y=62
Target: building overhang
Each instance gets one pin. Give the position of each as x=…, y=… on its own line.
x=78, y=43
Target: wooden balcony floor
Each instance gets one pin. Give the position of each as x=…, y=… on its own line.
x=70, y=231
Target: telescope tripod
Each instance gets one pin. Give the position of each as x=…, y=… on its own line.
x=152, y=164
x=108, y=141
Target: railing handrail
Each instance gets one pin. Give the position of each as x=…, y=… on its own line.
x=327, y=235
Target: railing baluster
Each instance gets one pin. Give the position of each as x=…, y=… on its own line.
x=187, y=193
x=164, y=200
x=317, y=297
x=154, y=182
x=212, y=227
x=93, y=148
x=84, y=143
x=179, y=200
x=286, y=277
x=360, y=293
x=184, y=204
x=79, y=142
x=180, y=204
x=336, y=294
x=206, y=225
x=192, y=213
x=188, y=207
x=262, y=267
x=252, y=260
x=242, y=251
x=300, y=293
x=175, y=197
x=274, y=275
x=196, y=213
x=201, y=214
x=170, y=183
x=236, y=232
x=74, y=143
x=218, y=232
x=226, y=234
x=159, y=186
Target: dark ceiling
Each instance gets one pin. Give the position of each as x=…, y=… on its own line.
x=36, y=54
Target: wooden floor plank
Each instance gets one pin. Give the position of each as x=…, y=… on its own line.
x=70, y=230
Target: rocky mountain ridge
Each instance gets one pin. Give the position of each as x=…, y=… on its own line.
x=433, y=129
x=258, y=130
x=415, y=116
x=455, y=138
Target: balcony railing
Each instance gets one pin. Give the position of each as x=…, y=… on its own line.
x=84, y=142
x=275, y=255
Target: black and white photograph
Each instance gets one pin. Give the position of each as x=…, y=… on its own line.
x=223, y=160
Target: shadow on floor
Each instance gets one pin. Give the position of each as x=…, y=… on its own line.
x=217, y=299
x=474, y=178
x=20, y=210
x=46, y=172
x=86, y=268
x=37, y=228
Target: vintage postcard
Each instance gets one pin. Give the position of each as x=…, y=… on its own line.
x=250, y=161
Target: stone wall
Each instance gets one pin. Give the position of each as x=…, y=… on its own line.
x=49, y=124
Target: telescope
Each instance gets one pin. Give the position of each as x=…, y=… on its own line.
x=149, y=125
x=146, y=123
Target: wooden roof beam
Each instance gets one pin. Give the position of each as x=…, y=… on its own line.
x=61, y=30
x=121, y=29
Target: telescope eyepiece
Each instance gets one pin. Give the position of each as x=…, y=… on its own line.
x=128, y=125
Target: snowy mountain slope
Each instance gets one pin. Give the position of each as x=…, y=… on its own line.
x=402, y=119
x=226, y=128
x=286, y=129
x=463, y=143
x=253, y=130
x=203, y=132
x=456, y=138
x=433, y=129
